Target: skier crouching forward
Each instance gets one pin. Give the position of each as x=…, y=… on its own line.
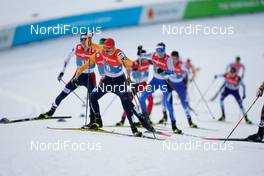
x=113, y=81
x=259, y=135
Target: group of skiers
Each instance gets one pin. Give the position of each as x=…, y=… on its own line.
x=170, y=73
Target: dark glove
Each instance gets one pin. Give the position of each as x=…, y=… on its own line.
x=75, y=81
x=244, y=97
x=260, y=92
x=128, y=80
x=60, y=76
x=215, y=76
x=139, y=50
x=160, y=70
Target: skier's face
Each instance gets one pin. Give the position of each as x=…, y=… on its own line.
x=232, y=73
x=175, y=59
x=108, y=51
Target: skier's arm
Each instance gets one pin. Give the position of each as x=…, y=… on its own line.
x=219, y=75
x=193, y=71
x=260, y=90
x=217, y=93
x=244, y=88
x=228, y=67
x=243, y=70
x=85, y=65
x=65, y=64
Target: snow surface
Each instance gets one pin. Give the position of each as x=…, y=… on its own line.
x=29, y=86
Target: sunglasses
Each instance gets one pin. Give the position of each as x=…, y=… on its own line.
x=160, y=50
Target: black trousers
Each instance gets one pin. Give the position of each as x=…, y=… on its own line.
x=117, y=86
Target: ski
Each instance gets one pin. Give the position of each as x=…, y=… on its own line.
x=221, y=139
x=104, y=131
x=7, y=121
x=156, y=132
x=232, y=139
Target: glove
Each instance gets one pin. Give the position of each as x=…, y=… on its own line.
x=90, y=34
x=128, y=80
x=244, y=97
x=75, y=81
x=160, y=70
x=260, y=92
x=215, y=76
x=139, y=50
x=60, y=76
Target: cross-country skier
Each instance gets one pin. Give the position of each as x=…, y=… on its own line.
x=192, y=72
x=240, y=68
x=82, y=54
x=231, y=87
x=140, y=74
x=259, y=135
x=114, y=81
x=176, y=82
x=161, y=63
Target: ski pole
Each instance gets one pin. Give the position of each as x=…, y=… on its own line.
x=209, y=110
x=107, y=107
x=217, y=93
x=205, y=92
x=241, y=119
x=88, y=93
x=75, y=94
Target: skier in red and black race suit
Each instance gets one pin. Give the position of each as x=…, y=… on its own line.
x=259, y=135
x=140, y=75
x=114, y=80
x=81, y=53
x=231, y=87
x=240, y=70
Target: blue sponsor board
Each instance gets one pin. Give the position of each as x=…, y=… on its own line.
x=75, y=24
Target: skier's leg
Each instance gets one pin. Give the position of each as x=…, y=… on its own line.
x=69, y=87
x=259, y=135
x=224, y=94
x=90, y=83
x=180, y=89
x=150, y=104
x=149, y=90
x=169, y=105
x=240, y=104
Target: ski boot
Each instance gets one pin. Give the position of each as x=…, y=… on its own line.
x=138, y=124
x=222, y=118
x=135, y=131
x=164, y=118
x=258, y=137
x=97, y=122
x=90, y=123
x=47, y=114
x=146, y=123
x=121, y=123
x=191, y=124
x=175, y=129
x=247, y=120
